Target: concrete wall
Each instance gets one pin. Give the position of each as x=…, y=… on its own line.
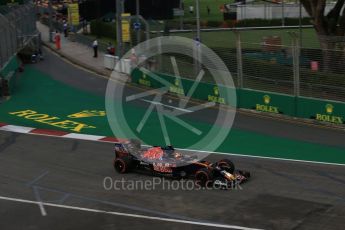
x=272, y=11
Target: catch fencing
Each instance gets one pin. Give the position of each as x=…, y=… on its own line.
x=275, y=71
x=273, y=11
x=277, y=61
x=17, y=29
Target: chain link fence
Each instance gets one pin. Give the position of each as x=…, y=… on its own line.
x=17, y=29
x=267, y=10
x=278, y=61
x=325, y=75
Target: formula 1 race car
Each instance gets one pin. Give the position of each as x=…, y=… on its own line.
x=168, y=162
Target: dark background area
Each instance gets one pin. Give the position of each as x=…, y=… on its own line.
x=149, y=9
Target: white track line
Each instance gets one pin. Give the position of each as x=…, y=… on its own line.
x=16, y=129
x=254, y=156
x=43, y=211
x=262, y=157
x=83, y=136
x=168, y=106
x=214, y=225
x=26, y=130
x=40, y=202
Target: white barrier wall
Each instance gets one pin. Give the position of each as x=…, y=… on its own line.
x=269, y=11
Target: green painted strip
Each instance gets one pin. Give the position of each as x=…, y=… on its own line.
x=40, y=93
x=61, y=103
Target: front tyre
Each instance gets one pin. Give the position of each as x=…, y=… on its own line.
x=122, y=164
x=226, y=165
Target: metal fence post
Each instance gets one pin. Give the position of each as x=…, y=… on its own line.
x=296, y=73
x=17, y=29
x=181, y=17
x=137, y=6
x=198, y=39
x=147, y=26
x=296, y=63
x=283, y=13
x=239, y=60
x=160, y=63
x=298, y=78
x=50, y=10
x=119, y=28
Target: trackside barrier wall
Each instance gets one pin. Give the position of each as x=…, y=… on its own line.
x=180, y=86
x=321, y=110
x=302, y=107
x=267, y=102
x=8, y=77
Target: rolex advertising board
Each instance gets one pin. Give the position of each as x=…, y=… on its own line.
x=180, y=86
x=321, y=110
x=267, y=102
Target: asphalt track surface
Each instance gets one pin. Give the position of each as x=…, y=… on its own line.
x=280, y=195
x=65, y=180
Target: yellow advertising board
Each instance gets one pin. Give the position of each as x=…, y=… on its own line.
x=126, y=34
x=73, y=14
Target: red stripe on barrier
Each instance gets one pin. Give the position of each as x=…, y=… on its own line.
x=112, y=139
x=3, y=124
x=49, y=132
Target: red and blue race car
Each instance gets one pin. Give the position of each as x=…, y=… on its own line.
x=168, y=162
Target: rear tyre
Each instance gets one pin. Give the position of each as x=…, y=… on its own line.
x=226, y=165
x=122, y=164
x=203, y=177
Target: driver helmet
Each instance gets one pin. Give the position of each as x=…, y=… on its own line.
x=177, y=155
